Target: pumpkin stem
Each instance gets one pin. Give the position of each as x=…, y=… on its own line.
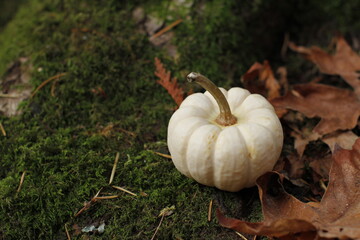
x=225, y=118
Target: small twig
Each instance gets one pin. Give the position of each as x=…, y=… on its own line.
x=46, y=82
x=124, y=190
x=157, y=228
x=322, y=185
x=87, y=205
x=163, y=155
x=114, y=167
x=67, y=233
x=106, y=197
x=166, y=29
x=163, y=213
x=210, y=210
x=240, y=235
x=53, y=85
x=21, y=181
x=2, y=130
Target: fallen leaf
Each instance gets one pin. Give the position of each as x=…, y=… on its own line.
x=302, y=139
x=285, y=217
x=260, y=79
x=170, y=84
x=343, y=139
x=345, y=62
x=321, y=166
x=339, y=109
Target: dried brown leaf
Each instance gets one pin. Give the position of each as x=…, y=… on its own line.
x=170, y=84
x=260, y=79
x=285, y=217
x=339, y=109
x=345, y=62
x=343, y=139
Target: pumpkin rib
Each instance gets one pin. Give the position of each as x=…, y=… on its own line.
x=200, y=163
x=226, y=175
x=257, y=145
x=183, y=147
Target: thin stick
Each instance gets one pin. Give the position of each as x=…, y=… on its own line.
x=124, y=190
x=2, y=130
x=106, y=197
x=240, y=235
x=210, y=210
x=21, y=181
x=157, y=229
x=166, y=29
x=322, y=185
x=46, y=82
x=87, y=205
x=163, y=155
x=67, y=233
x=114, y=167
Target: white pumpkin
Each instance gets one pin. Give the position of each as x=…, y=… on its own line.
x=227, y=141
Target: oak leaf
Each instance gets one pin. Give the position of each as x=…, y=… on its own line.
x=285, y=217
x=337, y=108
x=345, y=62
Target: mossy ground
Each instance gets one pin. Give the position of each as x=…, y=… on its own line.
x=68, y=135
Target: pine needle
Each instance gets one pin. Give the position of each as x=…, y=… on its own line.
x=21, y=181
x=163, y=213
x=163, y=155
x=46, y=82
x=2, y=129
x=114, y=168
x=106, y=197
x=166, y=29
x=241, y=236
x=210, y=210
x=67, y=232
x=170, y=84
x=125, y=190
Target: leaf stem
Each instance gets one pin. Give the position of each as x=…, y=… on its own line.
x=225, y=117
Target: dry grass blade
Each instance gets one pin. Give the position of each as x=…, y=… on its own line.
x=240, y=235
x=163, y=213
x=46, y=82
x=163, y=155
x=114, y=167
x=170, y=84
x=106, y=197
x=21, y=181
x=67, y=233
x=166, y=29
x=125, y=190
x=157, y=228
x=2, y=129
x=210, y=210
x=87, y=205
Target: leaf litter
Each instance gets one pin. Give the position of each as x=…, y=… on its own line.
x=336, y=216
